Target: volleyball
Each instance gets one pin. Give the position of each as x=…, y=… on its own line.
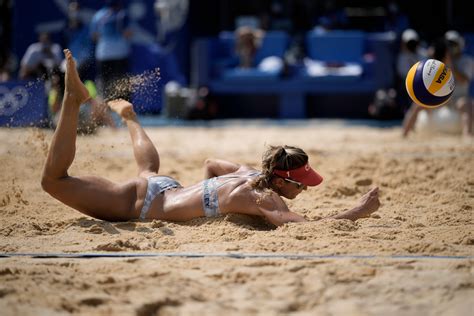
x=430, y=83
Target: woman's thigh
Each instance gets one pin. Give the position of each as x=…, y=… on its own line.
x=101, y=198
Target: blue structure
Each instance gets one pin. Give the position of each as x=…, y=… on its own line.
x=341, y=66
x=214, y=64
x=22, y=104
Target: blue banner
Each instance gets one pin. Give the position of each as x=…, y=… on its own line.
x=23, y=104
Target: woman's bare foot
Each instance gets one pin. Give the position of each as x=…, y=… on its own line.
x=74, y=89
x=122, y=108
x=369, y=203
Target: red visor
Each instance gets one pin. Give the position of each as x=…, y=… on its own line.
x=304, y=174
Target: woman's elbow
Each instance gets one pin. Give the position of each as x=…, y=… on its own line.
x=208, y=162
x=208, y=168
x=279, y=218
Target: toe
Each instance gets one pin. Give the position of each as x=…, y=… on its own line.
x=374, y=191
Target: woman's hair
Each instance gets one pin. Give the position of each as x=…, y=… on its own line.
x=280, y=158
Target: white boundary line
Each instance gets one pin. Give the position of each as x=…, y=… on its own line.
x=92, y=255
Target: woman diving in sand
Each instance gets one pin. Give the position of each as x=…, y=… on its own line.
x=228, y=187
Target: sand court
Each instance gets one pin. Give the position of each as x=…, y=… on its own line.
x=427, y=195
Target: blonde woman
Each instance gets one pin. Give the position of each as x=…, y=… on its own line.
x=228, y=187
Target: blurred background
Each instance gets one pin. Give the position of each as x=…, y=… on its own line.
x=220, y=59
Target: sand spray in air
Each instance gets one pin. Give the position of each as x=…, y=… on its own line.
x=147, y=81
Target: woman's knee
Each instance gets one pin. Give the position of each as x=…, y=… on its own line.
x=48, y=184
x=53, y=186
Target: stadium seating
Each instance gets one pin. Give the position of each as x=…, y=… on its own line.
x=334, y=55
x=273, y=47
x=369, y=57
x=338, y=46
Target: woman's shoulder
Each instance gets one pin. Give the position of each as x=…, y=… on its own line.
x=265, y=197
x=254, y=200
x=243, y=172
x=247, y=169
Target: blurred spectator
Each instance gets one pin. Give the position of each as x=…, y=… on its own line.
x=462, y=67
x=77, y=39
x=296, y=52
x=110, y=29
x=41, y=60
x=171, y=15
x=410, y=53
x=384, y=106
x=247, y=42
x=450, y=51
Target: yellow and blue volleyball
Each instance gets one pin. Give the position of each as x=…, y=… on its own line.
x=430, y=83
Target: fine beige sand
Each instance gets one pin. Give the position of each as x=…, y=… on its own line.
x=427, y=195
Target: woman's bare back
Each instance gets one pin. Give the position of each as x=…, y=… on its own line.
x=234, y=195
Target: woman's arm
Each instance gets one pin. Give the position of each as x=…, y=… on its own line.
x=216, y=167
x=279, y=218
x=274, y=209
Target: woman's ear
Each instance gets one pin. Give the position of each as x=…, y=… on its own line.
x=278, y=182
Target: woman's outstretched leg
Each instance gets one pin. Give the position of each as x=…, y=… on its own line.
x=91, y=195
x=146, y=155
x=410, y=119
x=63, y=145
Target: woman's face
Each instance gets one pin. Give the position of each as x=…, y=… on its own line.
x=290, y=190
